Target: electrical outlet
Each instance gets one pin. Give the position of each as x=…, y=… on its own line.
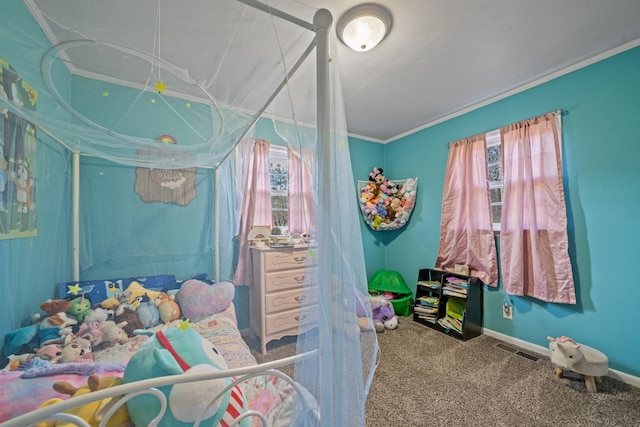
x=507, y=311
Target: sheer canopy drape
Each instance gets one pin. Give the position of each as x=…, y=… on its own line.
x=466, y=228
x=534, y=242
x=300, y=190
x=256, y=206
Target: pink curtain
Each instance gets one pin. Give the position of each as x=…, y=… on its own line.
x=256, y=207
x=466, y=228
x=300, y=187
x=533, y=236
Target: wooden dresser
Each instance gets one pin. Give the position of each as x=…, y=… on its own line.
x=276, y=295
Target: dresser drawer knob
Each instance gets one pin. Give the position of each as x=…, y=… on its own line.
x=300, y=298
x=299, y=258
x=300, y=318
x=299, y=279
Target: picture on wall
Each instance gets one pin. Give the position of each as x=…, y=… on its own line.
x=18, y=157
x=176, y=186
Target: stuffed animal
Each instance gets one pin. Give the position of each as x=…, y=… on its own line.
x=113, y=333
x=174, y=352
x=80, y=307
x=129, y=319
x=98, y=316
x=168, y=308
x=51, y=353
x=78, y=350
x=135, y=290
x=92, y=412
x=54, y=306
x=376, y=177
x=383, y=314
x=147, y=312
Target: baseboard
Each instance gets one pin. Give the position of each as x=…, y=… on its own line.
x=544, y=351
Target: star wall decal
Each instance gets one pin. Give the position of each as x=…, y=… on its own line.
x=160, y=87
x=105, y=94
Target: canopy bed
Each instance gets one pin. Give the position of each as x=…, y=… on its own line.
x=90, y=108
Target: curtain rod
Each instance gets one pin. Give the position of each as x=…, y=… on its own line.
x=559, y=111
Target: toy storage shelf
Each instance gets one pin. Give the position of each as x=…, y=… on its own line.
x=449, y=303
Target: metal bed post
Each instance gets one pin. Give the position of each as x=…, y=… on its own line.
x=76, y=215
x=322, y=21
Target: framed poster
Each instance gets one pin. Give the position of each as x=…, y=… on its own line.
x=18, y=172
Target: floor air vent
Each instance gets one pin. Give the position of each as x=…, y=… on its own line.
x=528, y=356
x=506, y=348
x=514, y=350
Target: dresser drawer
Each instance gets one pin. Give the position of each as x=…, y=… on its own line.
x=284, y=259
x=288, y=300
x=281, y=280
x=291, y=320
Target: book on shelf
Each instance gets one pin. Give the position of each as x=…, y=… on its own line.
x=457, y=281
x=448, y=322
x=453, y=293
x=425, y=310
x=430, y=319
x=427, y=300
x=429, y=283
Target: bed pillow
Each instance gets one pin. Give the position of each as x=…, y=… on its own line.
x=198, y=299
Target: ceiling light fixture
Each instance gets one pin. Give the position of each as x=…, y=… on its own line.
x=364, y=26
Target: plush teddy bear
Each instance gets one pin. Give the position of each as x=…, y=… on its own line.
x=78, y=350
x=92, y=412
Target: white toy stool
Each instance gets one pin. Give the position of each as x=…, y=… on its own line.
x=579, y=358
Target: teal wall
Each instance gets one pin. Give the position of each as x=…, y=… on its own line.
x=601, y=155
x=30, y=267
x=364, y=156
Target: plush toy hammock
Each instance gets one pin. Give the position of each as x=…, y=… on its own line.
x=385, y=204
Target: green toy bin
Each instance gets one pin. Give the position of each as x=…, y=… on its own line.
x=391, y=281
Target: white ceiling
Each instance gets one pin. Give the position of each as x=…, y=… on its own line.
x=445, y=57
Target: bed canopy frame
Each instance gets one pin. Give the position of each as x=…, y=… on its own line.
x=62, y=78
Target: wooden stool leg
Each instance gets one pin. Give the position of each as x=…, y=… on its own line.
x=598, y=380
x=557, y=372
x=591, y=383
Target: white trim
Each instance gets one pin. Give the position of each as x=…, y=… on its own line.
x=545, y=79
x=544, y=351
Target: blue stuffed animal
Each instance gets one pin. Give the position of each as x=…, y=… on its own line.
x=147, y=312
x=174, y=352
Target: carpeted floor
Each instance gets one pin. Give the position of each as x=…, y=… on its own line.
x=426, y=378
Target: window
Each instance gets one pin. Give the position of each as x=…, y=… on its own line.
x=496, y=184
x=279, y=176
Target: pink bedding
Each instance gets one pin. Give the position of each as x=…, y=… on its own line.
x=19, y=395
